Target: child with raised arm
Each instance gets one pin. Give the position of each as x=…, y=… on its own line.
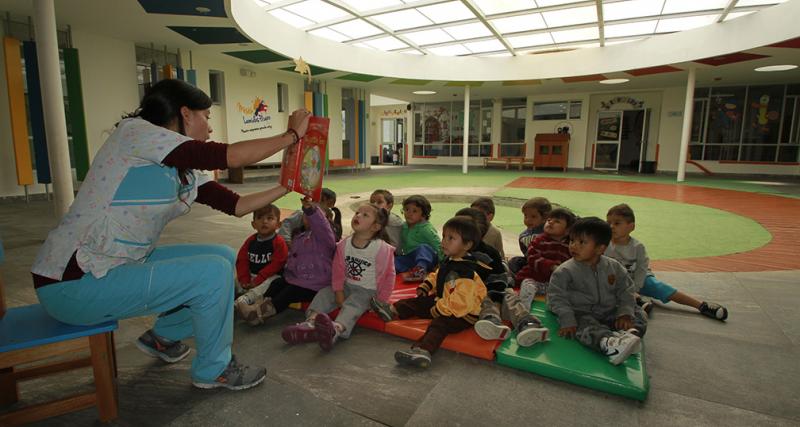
x=632, y=254
x=294, y=222
x=546, y=252
x=363, y=268
x=534, y=212
x=307, y=270
x=384, y=199
x=261, y=258
x=420, y=248
x=593, y=295
x=451, y=295
x=493, y=236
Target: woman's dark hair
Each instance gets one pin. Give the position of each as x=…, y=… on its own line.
x=421, y=202
x=162, y=103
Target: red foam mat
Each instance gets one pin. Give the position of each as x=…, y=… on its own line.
x=466, y=342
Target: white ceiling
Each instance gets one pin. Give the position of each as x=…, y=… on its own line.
x=499, y=27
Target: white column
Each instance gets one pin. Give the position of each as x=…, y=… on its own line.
x=686, y=130
x=55, y=123
x=465, y=156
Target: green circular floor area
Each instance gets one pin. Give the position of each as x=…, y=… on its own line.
x=670, y=230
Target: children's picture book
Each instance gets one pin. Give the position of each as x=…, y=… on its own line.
x=304, y=163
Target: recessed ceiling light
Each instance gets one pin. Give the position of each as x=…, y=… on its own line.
x=202, y=9
x=771, y=68
x=613, y=81
x=424, y=92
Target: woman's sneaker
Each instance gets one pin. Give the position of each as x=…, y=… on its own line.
x=491, y=328
x=299, y=333
x=621, y=345
x=530, y=333
x=162, y=348
x=416, y=356
x=714, y=311
x=326, y=331
x=382, y=309
x=235, y=377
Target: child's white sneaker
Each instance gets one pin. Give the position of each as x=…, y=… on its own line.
x=491, y=328
x=621, y=345
x=530, y=333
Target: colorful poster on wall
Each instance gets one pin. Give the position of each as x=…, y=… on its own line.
x=255, y=115
x=304, y=163
x=763, y=114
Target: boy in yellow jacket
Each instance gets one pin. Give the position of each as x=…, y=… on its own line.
x=451, y=295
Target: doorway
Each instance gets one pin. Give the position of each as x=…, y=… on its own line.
x=621, y=140
x=392, y=139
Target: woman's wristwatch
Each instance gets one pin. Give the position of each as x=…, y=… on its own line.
x=295, y=136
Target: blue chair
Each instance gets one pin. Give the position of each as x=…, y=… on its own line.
x=27, y=335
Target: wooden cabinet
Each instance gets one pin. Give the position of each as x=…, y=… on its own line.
x=551, y=150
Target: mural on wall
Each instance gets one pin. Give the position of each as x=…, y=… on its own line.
x=255, y=115
x=763, y=114
x=437, y=125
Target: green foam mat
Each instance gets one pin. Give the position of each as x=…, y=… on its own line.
x=569, y=361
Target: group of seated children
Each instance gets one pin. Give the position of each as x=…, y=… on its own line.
x=591, y=272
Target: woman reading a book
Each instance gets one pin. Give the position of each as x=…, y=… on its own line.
x=101, y=263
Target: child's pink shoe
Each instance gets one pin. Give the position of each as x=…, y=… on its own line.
x=299, y=333
x=326, y=331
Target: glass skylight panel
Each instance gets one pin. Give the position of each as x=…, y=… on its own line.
x=530, y=40
x=737, y=15
x=329, y=34
x=515, y=24
x=453, y=50
x=428, y=37
x=567, y=36
x=677, y=6
x=631, y=29
x=545, y=3
x=366, y=5
x=356, y=29
x=743, y=3
x=631, y=9
x=572, y=16
x=403, y=19
x=468, y=31
x=485, y=46
x=447, y=12
x=491, y=7
x=290, y=18
x=682, y=24
x=317, y=11
x=387, y=43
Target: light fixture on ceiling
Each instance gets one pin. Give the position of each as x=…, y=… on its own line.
x=771, y=68
x=613, y=81
x=424, y=92
x=202, y=9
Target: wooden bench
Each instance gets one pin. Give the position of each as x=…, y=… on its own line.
x=334, y=164
x=506, y=161
x=28, y=335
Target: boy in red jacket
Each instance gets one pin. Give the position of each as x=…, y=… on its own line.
x=545, y=253
x=261, y=258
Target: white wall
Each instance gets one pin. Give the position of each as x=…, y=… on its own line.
x=578, y=137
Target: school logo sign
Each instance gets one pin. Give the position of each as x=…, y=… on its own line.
x=255, y=115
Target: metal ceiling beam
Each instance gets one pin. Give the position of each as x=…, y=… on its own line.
x=474, y=9
x=728, y=8
x=600, y=26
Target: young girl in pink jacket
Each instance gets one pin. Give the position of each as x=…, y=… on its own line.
x=363, y=267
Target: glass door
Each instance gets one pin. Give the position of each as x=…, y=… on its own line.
x=609, y=135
